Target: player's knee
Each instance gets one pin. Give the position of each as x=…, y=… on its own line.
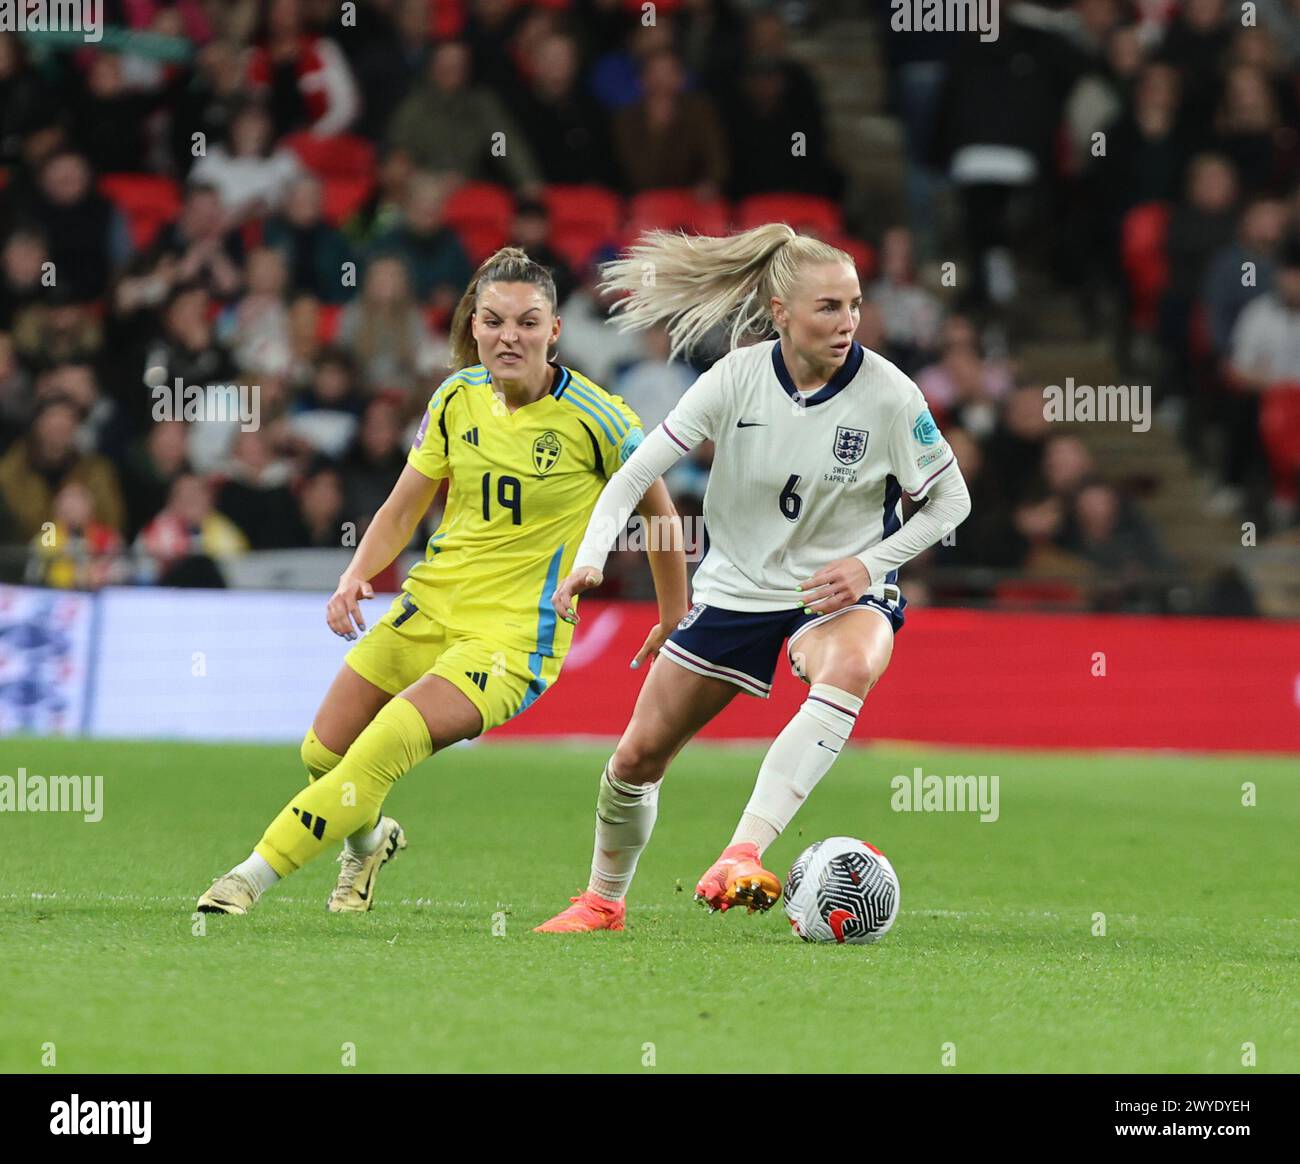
x=856, y=673
x=635, y=763
x=316, y=757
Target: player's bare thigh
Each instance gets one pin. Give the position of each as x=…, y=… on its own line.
x=673, y=705
x=448, y=713
x=348, y=707
x=851, y=651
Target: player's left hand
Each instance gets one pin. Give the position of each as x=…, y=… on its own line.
x=835, y=587
x=653, y=641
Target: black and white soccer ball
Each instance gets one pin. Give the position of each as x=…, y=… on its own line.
x=841, y=890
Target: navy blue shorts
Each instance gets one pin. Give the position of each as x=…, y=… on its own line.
x=742, y=646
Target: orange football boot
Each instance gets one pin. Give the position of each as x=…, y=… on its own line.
x=738, y=878
x=589, y=911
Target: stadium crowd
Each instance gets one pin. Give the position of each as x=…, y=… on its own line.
x=257, y=194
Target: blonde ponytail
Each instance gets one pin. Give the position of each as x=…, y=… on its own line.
x=695, y=283
x=508, y=265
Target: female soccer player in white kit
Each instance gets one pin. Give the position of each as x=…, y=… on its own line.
x=816, y=439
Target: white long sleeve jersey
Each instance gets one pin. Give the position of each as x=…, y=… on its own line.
x=799, y=480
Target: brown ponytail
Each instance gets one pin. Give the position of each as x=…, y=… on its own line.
x=508, y=265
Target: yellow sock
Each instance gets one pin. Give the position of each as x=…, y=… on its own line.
x=319, y=761
x=351, y=793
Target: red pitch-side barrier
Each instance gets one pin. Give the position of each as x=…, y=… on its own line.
x=1000, y=680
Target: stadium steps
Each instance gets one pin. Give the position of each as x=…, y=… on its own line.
x=865, y=143
x=1053, y=342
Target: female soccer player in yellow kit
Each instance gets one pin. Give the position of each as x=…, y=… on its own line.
x=473, y=639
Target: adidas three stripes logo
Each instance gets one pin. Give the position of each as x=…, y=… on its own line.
x=315, y=825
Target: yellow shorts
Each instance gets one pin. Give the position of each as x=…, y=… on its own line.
x=406, y=645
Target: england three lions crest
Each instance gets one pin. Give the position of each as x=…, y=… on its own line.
x=546, y=451
x=850, y=445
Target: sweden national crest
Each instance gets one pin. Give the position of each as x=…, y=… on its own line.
x=850, y=445
x=546, y=451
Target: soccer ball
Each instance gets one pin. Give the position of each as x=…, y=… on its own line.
x=841, y=890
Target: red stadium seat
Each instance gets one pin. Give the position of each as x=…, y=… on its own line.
x=675, y=210
x=1146, y=262
x=1279, y=429
x=480, y=213
x=327, y=321
x=343, y=156
x=149, y=202
x=805, y=212
x=583, y=219
x=343, y=197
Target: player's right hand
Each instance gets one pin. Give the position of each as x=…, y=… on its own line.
x=342, y=611
x=575, y=584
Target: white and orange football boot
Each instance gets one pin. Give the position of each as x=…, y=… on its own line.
x=738, y=878
x=589, y=911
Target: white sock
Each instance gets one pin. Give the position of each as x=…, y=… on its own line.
x=257, y=871
x=625, y=817
x=799, y=757
x=365, y=841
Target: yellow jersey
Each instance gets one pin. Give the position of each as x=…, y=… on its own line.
x=522, y=488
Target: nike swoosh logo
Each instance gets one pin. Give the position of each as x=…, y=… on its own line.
x=751, y=424
x=833, y=751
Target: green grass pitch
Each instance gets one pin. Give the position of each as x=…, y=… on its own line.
x=993, y=952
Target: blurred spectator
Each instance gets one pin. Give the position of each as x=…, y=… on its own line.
x=432, y=252
x=326, y=415
x=23, y=99
x=1198, y=228
x=183, y=543
x=314, y=250
x=249, y=172
x=77, y=551
x=55, y=330
x=204, y=100
x=86, y=235
x=1113, y=537
x=997, y=129
x=257, y=328
x=619, y=72
x=1195, y=43
x=385, y=331
x=987, y=537
x=962, y=385
x=204, y=247
x=531, y=229
x=670, y=138
x=449, y=124
x=1249, y=131
x=653, y=385
x=910, y=313
x=153, y=463
x=22, y=265
x=388, y=52
x=305, y=78
x=109, y=119
x=1229, y=285
x=39, y=464
x=320, y=507
x=1016, y=445
x=255, y=494
x=564, y=125
x=374, y=462
x=383, y=208
x=587, y=342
